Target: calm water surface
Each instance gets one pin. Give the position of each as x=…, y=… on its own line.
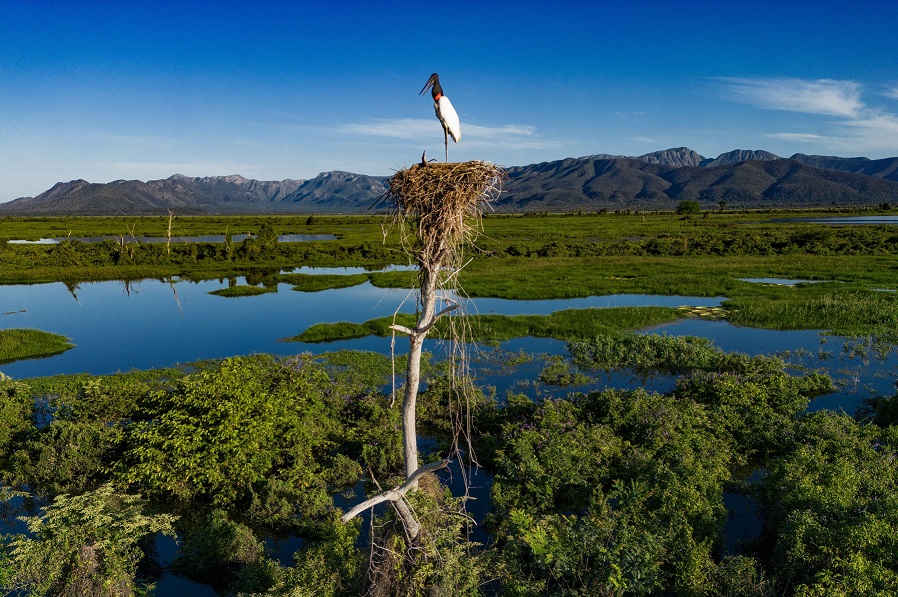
x=120, y=326
x=846, y=220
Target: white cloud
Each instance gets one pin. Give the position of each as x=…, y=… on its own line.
x=823, y=96
x=801, y=137
x=853, y=125
x=875, y=131
x=871, y=133
x=397, y=128
x=509, y=136
x=892, y=93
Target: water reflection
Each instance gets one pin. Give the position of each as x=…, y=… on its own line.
x=346, y=271
x=119, y=326
x=844, y=220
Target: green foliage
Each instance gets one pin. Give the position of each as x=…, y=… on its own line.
x=84, y=545
x=688, y=208
x=18, y=344
x=608, y=551
x=882, y=410
x=757, y=408
x=570, y=470
x=217, y=552
x=645, y=354
x=441, y=561
x=614, y=493
x=365, y=370
x=250, y=433
x=67, y=456
x=558, y=373
x=569, y=323
x=831, y=509
x=343, y=330
x=16, y=406
x=330, y=564
x=841, y=311
x=71, y=453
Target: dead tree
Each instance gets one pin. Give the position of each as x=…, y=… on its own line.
x=438, y=209
x=171, y=219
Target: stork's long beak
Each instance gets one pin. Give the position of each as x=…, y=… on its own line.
x=430, y=83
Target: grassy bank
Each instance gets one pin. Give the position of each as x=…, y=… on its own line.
x=561, y=325
x=18, y=344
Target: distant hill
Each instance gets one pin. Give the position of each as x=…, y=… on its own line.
x=629, y=183
x=738, y=156
x=654, y=181
x=329, y=191
x=335, y=192
x=677, y=157
x=886, y=168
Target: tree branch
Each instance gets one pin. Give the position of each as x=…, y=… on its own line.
x=426, y=328
x=402, y=328
x=395, y=494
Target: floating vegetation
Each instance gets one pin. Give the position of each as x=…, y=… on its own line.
x=235, y=291
x=704, y=312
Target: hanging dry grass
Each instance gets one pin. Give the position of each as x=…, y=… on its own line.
x=443, y=203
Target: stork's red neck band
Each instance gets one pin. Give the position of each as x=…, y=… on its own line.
x=437, y=97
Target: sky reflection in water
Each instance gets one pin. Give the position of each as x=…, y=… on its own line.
x=120, y=326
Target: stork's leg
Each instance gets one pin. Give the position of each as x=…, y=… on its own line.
x=446, y=143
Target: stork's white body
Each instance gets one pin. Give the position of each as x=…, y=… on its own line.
x=448, y=117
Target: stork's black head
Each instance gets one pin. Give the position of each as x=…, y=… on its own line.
x=434, y=82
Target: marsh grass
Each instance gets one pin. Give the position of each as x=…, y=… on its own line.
x=344, y=330
x=317, y=283
x=365, y=369
x=524, y=257
x=18, y=344
x=843, y=312
x=653, y=353
x=244, y=290
x=562, y=325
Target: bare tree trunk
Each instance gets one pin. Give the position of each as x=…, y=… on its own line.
x=413, y=373
x=171, y=217
x=413, y=471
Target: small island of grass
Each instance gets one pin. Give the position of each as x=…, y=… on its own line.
x=19, y=344
x=233, y=291
x=319, y=282
x=562, y=325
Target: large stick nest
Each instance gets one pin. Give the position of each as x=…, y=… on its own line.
x=443, y=202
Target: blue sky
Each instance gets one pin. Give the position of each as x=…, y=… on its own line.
x=271, y=90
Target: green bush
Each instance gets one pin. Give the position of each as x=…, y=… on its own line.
x=84, y=545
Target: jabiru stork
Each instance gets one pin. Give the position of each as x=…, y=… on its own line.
x=445, y=112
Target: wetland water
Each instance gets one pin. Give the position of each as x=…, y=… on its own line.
x=119, y=326
x=845, y=220
x=156, y=240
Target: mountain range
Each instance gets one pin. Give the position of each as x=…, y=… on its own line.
x=740, y=179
